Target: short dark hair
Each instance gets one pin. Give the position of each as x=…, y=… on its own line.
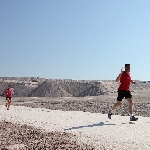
x=126, y=65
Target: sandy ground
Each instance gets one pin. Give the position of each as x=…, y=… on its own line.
x=94, y=129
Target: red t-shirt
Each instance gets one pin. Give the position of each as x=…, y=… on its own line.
x=125, y=80
x=9, y=92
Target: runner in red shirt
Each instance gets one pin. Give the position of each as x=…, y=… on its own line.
x=8, y=92
x=124, y=91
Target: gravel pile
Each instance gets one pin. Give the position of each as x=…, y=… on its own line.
x=15, y=137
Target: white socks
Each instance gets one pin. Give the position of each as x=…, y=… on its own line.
x=131, y=115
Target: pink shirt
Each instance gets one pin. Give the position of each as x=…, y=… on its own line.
x=9, y=92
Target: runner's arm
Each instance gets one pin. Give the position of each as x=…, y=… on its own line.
x=5, y=91
x=118, y=78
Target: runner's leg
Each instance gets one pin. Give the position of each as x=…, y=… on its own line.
x=6, y=102
x=119, y=100
x=130, y=105
x=116, y=105
x=132, y=118
x=9, y=102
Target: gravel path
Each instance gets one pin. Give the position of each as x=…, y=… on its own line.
x=73, y=123
x=74, y=128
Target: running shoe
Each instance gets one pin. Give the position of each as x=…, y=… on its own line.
x=109, y=115
x=133, y=118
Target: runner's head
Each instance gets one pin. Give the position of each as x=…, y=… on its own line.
x=9, y=86
x=127, y=67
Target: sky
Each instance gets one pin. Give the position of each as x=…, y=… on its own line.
x=74, y=39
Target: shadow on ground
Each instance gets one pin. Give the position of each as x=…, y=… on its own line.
x=88, y=126
x=94, y=125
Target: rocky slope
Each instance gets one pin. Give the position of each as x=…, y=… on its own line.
x=40, y=87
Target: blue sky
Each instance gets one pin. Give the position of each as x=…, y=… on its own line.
x=74, y=39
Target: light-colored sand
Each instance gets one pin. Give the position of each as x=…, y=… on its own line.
x=94, y=128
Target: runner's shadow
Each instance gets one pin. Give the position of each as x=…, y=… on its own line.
x=89, y=126
x=129, y=123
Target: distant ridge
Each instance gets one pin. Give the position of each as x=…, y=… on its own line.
x=42, y=87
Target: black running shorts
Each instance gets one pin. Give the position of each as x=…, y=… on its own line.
x=123, y=94
x=8, y=98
